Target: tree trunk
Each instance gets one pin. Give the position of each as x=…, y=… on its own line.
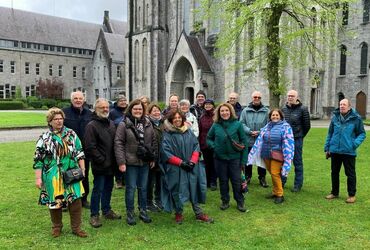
x=273, y=52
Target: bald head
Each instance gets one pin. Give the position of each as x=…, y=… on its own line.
x=292, y=97
x=256, y=98
x=233, y=98
x=344, y=106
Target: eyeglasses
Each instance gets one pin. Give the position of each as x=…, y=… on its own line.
x=256, y=97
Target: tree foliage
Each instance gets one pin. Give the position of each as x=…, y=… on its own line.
x=52, y=89
x=277, y=33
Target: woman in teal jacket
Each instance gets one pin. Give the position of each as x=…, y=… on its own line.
x=228, y=160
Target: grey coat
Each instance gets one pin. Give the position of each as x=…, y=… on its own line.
x=125, y=142
x=253, y=120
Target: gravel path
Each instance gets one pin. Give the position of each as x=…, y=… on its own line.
x=21, y=135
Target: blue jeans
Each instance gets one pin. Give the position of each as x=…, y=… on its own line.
x=101, y=193
x=136, y=177
x=298, y=162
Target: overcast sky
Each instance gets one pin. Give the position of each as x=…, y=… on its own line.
x=85, y=10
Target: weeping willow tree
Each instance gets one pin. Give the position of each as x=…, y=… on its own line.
x=280, y=33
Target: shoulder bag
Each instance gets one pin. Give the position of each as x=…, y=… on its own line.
x=237, y=146
x=275, y=155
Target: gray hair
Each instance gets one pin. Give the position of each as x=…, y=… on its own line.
x=184, y=102
x=77, y=92
x=99, y=100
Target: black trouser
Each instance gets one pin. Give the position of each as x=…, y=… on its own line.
x=229, y=170
x=210, y=167
x=349, y=163
x=154, y=180
x=248, y=170
x=85, y=181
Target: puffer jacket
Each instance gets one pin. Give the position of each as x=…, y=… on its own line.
x=253, y=120
x=99, y=145
x=298, y=118
x=345, y=133
x=222, y=145
x=125, y=142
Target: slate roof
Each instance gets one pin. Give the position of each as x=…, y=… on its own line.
x=115, y=46
x=198, y=53
x=119, y=27
x=26, y=26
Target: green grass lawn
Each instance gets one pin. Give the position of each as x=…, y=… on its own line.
x=21, y=119
x=305, y=221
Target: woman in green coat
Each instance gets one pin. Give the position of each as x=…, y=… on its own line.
x=58, y=150
x=228, y=159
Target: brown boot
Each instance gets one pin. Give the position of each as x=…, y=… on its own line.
x=75, y=211
x=56, y=219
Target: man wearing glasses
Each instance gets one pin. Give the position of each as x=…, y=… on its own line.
x=298, y=117
x=254, y=117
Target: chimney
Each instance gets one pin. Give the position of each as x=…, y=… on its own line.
x=106, y=15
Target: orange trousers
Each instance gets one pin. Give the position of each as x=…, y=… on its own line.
x=274, y=168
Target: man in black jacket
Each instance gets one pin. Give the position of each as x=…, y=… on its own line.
x=77, y=117
x=99, y=147
x=298, y=117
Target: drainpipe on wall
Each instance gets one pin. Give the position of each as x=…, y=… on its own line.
x=130, y=32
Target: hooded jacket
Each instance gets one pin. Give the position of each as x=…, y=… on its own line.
x=346, y=133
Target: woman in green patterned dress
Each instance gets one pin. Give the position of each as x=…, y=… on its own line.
x=57, y=150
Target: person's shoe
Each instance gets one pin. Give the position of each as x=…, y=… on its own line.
x=213, y=187
x=279, y=199
x=130, y=219
x=152, y=208
x=296, y=189
x=224, y=205
x=331, y=196
x=270, y=196
x=179, y=218
x=86, y=204
x=80, y=233
x=158, y=204
x=144, y=216
x=111, y=215
x=119, y=185
x=351, y=199
x=95, y=221
x=240, y=206
x=263, y=182
x=204, y=218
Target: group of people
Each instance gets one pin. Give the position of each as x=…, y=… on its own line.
x=171, y=156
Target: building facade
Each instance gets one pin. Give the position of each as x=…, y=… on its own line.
x=36, y=47
x=172, y=50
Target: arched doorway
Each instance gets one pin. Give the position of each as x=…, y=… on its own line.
x=183, y=80
x=340, y=97
x=361, y=104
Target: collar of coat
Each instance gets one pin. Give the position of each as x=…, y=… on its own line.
x=171, y=128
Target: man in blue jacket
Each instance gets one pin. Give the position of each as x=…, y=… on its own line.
x=77, y=117
x=345, y=135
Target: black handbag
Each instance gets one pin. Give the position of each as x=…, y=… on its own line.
x=143, y=152
x=237, y=146
x=72, y=175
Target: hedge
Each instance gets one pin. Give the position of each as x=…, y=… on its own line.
x=5, y=105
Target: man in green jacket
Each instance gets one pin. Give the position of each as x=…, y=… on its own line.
x=254, y=117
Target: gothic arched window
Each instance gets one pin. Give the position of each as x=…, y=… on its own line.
x=136, y=62
x=145, y=59
x=363, y=66
x=343, y=60
x=366, y=11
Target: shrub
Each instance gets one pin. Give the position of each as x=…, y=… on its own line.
x=4, y=105
x=37, y=104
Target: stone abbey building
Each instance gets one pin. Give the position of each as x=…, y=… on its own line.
x=165, y=55
x=158, y=52
x=84, y=56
